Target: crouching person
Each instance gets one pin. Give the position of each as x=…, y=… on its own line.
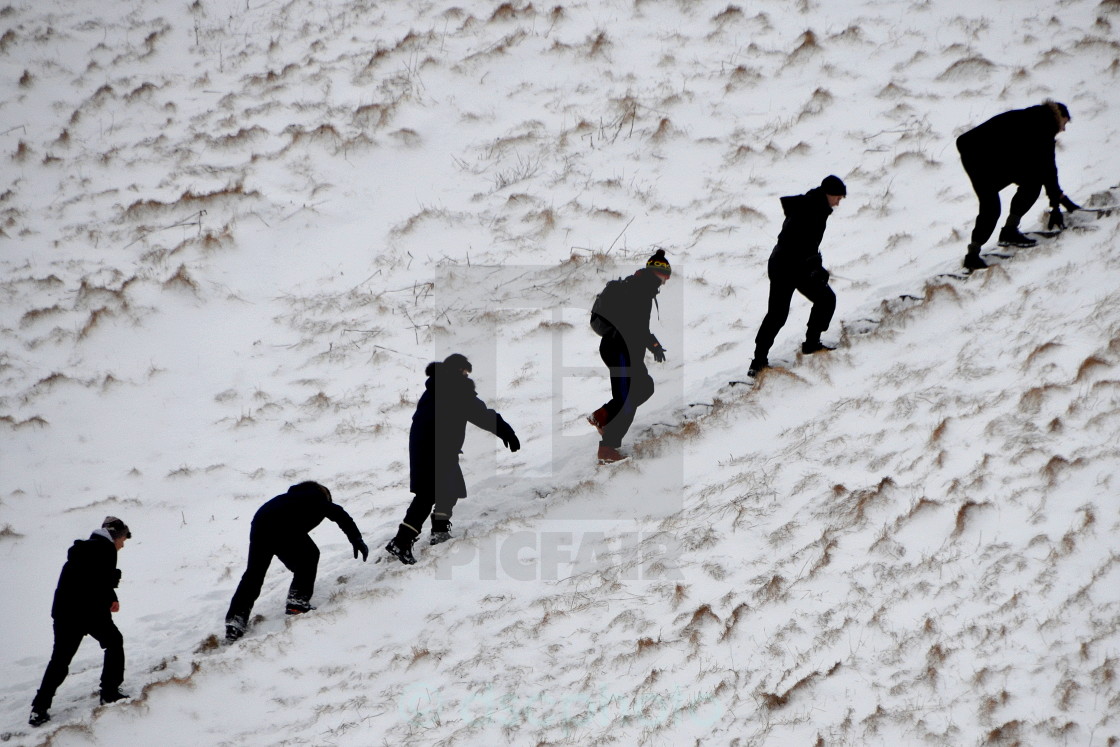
x=84, y=603
x=438, y=430
x=280, y=529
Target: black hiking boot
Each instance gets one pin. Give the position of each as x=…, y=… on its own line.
x=298, y=606
x=815, y=346
x=1009, y=236
x=756, y=367
x=39, y=716
x=441, y=531
x=112, y=696
x=972, y=259
x=401, y=549
x=235, y=628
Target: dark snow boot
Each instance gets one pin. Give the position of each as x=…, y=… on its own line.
x=756, y=367
x=296, y=606
x=112, y=696
x=39, y=717
x=972, y=260
x=441, y=531
x=1010, y=236
x=814, y=345
x=235, y=628
x=401, y=548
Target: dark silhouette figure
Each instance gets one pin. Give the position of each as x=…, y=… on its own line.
x=439, y=428
x=280, y=529
x=1016, y=147
x=796, y=265
x=621, y=315
x=84, y=603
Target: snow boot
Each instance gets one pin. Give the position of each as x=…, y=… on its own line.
x=235, y=628
x=972, y=259
x=112, y=696
x=1010, y=236
x=812, y=345
x=400, y=547
x=598, y=419
x=39, y=717
x=756, y=367
x=297, y=606
x=441, y=531
x=610, y=455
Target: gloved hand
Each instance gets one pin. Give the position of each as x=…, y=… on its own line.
x=509, y=438
x=360, y=547
x=1069, y=204
x=820, y=275
x=658, y=353
x=1056, y=220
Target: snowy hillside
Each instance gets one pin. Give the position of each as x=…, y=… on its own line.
x=233, y=232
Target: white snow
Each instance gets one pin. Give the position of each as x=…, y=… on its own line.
x=232, y=234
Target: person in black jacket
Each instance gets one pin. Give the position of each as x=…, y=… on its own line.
x=280, y=529
x=439, y=428
x=625, y=339
x=84, y=603
x=796, y=265
x=1016, y=147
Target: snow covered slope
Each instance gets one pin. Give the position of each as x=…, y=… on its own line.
x=233, y=233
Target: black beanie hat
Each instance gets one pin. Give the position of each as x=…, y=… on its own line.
x=658, y=263
x=833, y=186
x=458, y=362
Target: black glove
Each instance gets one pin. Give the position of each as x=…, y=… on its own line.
x=1056, y=220
x=658, y=353
x=360, y=547
x=1069, y=204
x=509, y=438
x=819, y=275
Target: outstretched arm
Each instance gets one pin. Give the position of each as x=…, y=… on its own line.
x=489, y=420
x=338, y=515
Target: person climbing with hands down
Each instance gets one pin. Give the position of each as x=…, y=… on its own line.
x=280, y=529
x=439, y=428
x=796, y=265
x=1016, y=147
x=620, y=315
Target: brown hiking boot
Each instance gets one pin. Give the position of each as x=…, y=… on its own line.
x=609, y=455
x=598, y=419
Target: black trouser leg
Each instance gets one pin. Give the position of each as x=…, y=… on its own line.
x=1025, y=198
x=631, y=386
x=987, y=187
x=260, y=557
x=777, y=311
x=824, y=306
x=418, y=512
x=300, y=555
x=67, y=638
x=105, y=632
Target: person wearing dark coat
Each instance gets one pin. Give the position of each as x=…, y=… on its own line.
x=439, y=428
x=796, y=265
x=1016, y=147
x=84, y=602
x=623, y=347
x=281, y=529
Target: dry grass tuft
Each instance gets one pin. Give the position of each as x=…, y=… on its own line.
x=964, y=514
x=181, y=280
x=1089, y=365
